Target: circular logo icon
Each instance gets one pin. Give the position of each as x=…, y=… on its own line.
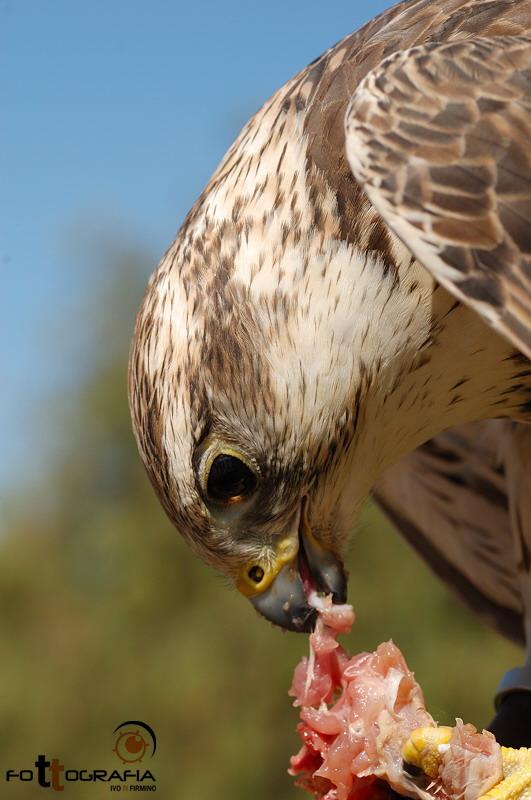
x=131, y=745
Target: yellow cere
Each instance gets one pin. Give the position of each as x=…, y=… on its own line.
x=287, y=549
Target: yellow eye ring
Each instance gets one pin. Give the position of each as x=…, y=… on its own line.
x=226, y=475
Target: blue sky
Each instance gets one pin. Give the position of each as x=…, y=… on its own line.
x=114, y=113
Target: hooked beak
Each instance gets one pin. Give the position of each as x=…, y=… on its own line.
x=310, y=567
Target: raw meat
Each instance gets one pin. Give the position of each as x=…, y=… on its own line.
x=357, y=713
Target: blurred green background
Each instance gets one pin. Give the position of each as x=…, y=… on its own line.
x=106, y=616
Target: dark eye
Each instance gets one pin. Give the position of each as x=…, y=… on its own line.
x=230, y=480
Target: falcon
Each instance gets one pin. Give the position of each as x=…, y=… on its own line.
x=346, y=310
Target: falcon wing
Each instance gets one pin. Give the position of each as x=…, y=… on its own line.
x=439, y=136
x=449, y=498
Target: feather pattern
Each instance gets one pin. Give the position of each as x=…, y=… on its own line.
x=330, y=327
x=439, y=137
x=451, y=500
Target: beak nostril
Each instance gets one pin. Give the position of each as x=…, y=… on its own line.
x=256, y=573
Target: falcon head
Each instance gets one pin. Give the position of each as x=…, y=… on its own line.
x=242, y=406
x=252, y=369
x=262, y=335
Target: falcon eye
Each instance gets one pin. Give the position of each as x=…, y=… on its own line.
x=230, y=480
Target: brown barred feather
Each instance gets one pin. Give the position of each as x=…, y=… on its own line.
x=297, y=319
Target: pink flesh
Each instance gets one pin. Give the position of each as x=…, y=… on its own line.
x=356, y=714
